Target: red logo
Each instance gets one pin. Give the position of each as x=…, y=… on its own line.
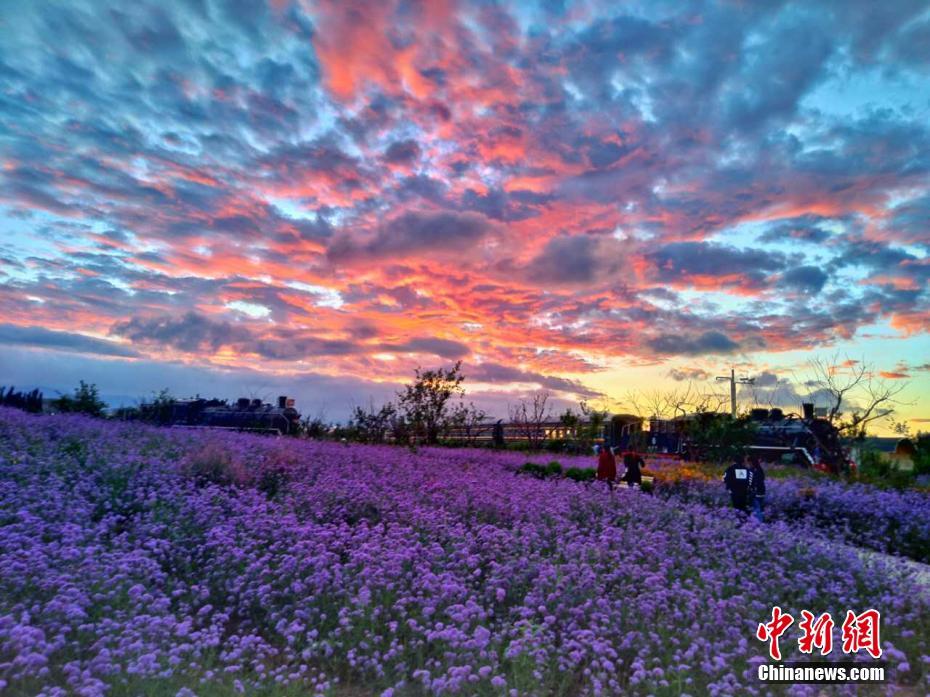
x=771, y=631
x=817, y=633
x=860, y=632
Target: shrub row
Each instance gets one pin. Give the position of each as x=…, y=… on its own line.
x=554, y=469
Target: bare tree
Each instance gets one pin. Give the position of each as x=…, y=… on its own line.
x=667, y=404
x=710, y=401
x=680, y=401
x=649, y=404
x=529, y=417
x=468, y=419
x=853, y=391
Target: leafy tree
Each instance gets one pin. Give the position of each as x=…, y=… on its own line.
x=593, y=424
x=315, y=427
x=720, y=437
x=400, y=429
x=159, y=409
x=901, y=428
x=86, y=400
x=922, y=458
x=424, y=403
x=370, y=426
x=570, y=420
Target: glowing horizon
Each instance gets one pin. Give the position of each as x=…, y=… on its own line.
x=316, y=198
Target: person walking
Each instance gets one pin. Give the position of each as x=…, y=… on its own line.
x=633, y=472
x=736, y=480
x=497, y=434
x=757, y=488
x=607, y=466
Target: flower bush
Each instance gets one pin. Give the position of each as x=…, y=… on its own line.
x=145, y=561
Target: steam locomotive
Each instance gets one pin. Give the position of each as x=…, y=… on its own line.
x=245, y=415
x=803, y=439
x=809, y=440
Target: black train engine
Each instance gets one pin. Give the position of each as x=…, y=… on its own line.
x=809, y=439
x=244, y=415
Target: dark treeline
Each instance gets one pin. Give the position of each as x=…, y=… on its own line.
x=432, y=410
x=84, y=400
x=27, y=401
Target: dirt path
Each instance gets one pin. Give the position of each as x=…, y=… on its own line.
x=919, y=571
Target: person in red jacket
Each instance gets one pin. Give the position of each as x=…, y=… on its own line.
x=607, y=466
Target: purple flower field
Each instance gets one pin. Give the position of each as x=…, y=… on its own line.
x=139, y=561
x=885, y=520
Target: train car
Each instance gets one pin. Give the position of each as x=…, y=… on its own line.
x=245, y=415
x=625, y=431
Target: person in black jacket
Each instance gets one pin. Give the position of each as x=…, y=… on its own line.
x=736, y=480
x=633, y=464
x=757, y=488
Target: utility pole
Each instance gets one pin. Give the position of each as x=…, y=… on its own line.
x=733, y=381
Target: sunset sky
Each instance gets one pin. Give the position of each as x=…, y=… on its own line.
x=593, y=198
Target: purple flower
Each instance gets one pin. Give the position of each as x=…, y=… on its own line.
x=365, y=562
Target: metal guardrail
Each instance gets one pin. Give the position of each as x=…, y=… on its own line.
x=241, y=429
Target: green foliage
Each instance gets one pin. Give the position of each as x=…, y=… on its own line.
x=343, y=433
x=86, y=400
x=117, y=497
x=585, y=427
x=531, y=468
x=159, y=409
x=272, y=482
x=879, y=470
x=872, y=464
x=922, y=458
x=425, y=402
x=520, y=446
x=314, y=427
x=593, y=427
x=371, y=426
x=580, y=474
x=719, y=436
x=76, y=449
x=554, y=469
x=569, y=418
